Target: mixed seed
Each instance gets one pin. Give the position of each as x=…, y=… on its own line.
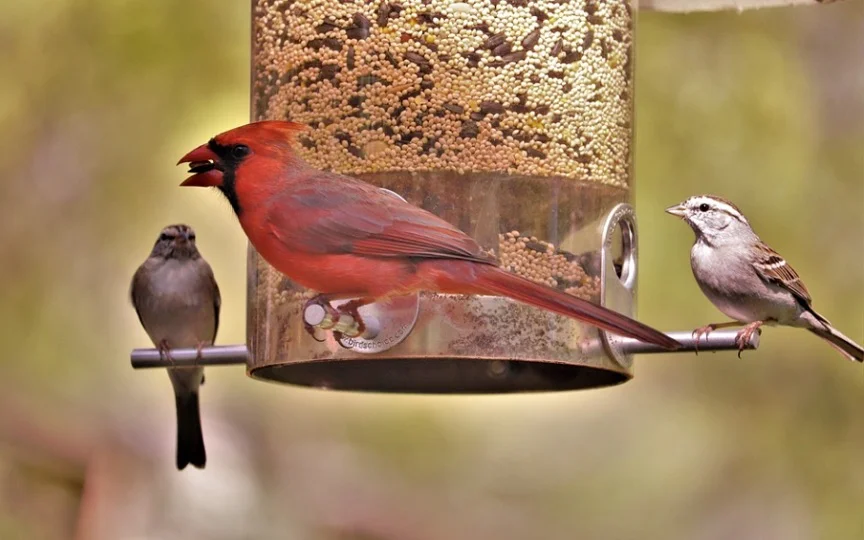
x=538, y=88
x=539, y=261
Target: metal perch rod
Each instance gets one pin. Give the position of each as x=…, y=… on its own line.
x=222, y=355
x=228, y=355
x=720, y=340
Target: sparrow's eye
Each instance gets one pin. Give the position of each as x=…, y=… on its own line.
x=239, y=151
x=704, y=207
x=191, y=237
x=164, y=237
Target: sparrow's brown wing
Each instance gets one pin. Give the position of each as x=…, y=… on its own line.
x=217, y=299
x=136, y=290
x=774, y=269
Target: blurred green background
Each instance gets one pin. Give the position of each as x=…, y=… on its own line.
x=99, y=98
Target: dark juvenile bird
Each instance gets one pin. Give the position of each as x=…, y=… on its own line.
x=177, y=301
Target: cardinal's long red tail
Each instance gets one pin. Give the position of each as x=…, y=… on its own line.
x=462, y=277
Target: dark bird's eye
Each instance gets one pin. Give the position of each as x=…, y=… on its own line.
x=704, y=207
x=164, y=237
x=239, y=151
x=191, y=237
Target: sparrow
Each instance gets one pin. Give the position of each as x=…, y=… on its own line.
x=177, y=301
x=345, y=238
x=747, y=280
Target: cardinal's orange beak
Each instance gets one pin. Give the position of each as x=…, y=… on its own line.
x=205, y=166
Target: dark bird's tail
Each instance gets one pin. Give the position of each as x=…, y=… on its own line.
x=190, y=439
x=491, y=280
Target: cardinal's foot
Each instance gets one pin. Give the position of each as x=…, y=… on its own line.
x=352, y=309
x=340, y=339
x=327, y=321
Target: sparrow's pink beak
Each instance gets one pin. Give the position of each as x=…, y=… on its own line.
x=205, y=166
x=677, y=210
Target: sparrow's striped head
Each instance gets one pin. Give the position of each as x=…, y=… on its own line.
x=710, y=215
x=176, y=242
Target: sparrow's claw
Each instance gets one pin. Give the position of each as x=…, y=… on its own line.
x=746, y=333
x=165, y=352
x=740, y=343
x=699, y=332
x=198, y=352
x=707, y=329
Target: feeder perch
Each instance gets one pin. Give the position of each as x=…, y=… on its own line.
x=227, y=355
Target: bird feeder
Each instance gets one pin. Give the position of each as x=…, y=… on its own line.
x=512, y=120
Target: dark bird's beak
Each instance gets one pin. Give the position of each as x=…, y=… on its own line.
x=677, y=210
x=204, y=166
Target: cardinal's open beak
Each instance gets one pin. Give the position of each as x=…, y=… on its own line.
x=205, y=166
x=677, y=210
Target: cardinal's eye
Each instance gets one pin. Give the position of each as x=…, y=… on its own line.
x=239, y=151
x=164, y=237
x=704, y=207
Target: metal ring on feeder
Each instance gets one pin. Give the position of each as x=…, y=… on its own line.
x=618, y=273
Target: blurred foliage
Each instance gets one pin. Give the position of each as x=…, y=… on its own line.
x=97, y=101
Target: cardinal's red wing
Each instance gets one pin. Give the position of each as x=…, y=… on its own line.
x=332, y=214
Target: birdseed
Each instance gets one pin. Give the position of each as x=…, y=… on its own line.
x=541, y=88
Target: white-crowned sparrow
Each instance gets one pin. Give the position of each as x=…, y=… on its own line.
x=177, y=300
x=747, y=280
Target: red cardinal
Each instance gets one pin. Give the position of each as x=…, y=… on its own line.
x=347, y=239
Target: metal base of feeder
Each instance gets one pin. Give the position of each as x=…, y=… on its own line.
x=441, y=375
x=481, y=375
x=479, y=334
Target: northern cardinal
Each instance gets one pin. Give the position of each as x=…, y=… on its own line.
x=177, y=301
x=348, y=239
